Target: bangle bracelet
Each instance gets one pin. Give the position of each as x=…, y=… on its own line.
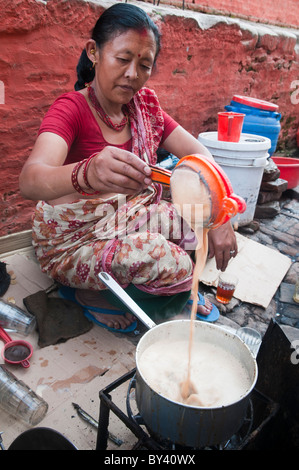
x=75, y=182
x=85, y=169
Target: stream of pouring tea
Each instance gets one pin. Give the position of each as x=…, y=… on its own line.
x=187, y=387
x=189, y=191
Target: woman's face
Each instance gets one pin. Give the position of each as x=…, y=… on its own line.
x=124, y=64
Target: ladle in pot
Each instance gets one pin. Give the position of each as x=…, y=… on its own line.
x=15, y=352
x=126, y=299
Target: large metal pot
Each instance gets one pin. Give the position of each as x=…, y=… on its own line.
x=188, y=425
x=170, y=420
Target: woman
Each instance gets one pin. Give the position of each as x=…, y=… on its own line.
x=89, y=170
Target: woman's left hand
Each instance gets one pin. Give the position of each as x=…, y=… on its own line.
x=222, y=245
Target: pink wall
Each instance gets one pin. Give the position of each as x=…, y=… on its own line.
x=197, y=74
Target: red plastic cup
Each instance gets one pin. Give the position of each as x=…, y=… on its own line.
x=230, y=126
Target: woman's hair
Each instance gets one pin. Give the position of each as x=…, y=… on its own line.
x=116, y=20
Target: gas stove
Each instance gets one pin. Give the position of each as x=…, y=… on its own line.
x=260, y=411
x=272, y=417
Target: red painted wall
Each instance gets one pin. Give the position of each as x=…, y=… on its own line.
x=266, y=11
x=197, y=74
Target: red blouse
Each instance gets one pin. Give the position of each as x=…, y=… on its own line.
x=71, y=118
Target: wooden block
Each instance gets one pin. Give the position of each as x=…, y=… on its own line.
x=15, y=241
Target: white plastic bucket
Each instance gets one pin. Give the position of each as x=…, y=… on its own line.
x=244, y=163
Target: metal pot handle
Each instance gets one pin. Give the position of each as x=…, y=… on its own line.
x=126, y=299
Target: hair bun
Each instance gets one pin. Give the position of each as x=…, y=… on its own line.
x=85, y=71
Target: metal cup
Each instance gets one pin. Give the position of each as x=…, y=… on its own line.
x=17, y=399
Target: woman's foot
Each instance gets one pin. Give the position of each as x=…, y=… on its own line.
x=96, y=299
x=203, y=309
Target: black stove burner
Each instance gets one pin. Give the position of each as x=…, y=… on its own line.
x=258, y=405
x=144, y=440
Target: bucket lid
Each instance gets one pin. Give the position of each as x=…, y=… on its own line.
x=255, y=103
x=247, y=142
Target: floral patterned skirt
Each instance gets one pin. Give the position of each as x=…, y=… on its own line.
x=137, y=241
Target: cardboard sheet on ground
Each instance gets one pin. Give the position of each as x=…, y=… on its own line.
x=28, y=278
x=260, y=270
x=73, y=371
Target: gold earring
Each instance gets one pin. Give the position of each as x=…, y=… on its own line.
x=93, y=51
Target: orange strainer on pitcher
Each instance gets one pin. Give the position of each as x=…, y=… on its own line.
x=216, y=195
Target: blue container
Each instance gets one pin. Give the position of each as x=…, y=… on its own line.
x=261, y=117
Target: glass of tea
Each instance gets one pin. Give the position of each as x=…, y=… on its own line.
x=226, y=287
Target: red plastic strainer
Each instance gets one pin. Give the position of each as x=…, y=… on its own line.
x=224, y=203
x=17, y=351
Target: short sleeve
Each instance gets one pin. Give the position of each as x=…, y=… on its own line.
x=169, y=125
x=63, y=117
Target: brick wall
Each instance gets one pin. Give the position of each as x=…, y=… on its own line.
x=198, y=71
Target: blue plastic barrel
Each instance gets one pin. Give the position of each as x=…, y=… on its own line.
x=261, y=117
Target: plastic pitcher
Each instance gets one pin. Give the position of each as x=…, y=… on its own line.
x=230, y=126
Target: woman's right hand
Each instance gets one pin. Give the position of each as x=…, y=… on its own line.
x=115, y=170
